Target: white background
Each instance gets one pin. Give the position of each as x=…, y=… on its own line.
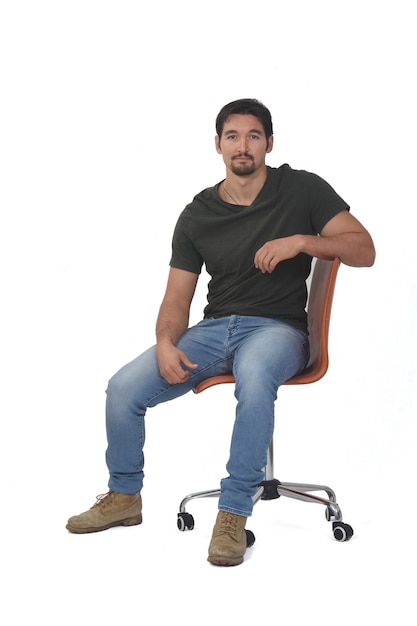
x=107, y=116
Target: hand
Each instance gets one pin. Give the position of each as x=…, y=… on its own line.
x=275, y=251
x=173, y=364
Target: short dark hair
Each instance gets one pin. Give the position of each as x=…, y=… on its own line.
x=245, y=106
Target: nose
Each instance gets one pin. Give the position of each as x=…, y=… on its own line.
x=243, y=146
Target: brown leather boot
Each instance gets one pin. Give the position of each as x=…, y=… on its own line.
x=228, y=543
x=110, y=509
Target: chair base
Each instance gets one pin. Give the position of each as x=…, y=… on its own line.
x=271, y=489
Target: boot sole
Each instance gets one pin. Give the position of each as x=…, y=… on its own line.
x=131, y=521
x=225, y=561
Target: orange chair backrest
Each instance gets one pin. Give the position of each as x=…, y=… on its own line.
x=319, y=307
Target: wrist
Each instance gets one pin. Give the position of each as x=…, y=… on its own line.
x=301, y=243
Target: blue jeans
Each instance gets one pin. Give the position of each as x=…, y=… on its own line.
x=262, y=353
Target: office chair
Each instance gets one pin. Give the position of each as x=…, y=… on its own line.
x=318, y=312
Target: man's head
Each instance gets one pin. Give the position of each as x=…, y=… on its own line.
x=245, y=106
x=244, y=136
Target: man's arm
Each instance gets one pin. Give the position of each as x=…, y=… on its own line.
x=172, y=322
x=343, y=237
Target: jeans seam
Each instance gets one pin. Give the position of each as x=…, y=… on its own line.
x=193, y=375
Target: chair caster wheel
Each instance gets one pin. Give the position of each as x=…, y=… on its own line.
x=185, y=521
x=250, y=538
x=342, y=532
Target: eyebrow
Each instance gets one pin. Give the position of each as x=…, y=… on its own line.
x=253, y=130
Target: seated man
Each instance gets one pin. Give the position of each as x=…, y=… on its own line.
x=256, y=232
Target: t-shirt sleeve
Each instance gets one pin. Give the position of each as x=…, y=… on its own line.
x=325, y=203
x=184, y=254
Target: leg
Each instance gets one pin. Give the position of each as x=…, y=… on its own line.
x=134, y=388
x=268, y=353
x=130, y=392
x=139, y=385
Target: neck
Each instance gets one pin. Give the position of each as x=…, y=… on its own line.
x=242, y=190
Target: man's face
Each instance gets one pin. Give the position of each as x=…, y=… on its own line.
x=243, y=144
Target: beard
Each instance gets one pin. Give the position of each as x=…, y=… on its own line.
x=243, y=169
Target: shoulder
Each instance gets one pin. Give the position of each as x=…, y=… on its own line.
x=206, y=197
x=289, y=176
x=207, y=206
x=308, y=183
x=299, y=177
x=290, y=182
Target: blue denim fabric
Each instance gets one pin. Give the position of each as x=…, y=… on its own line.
x=262, y=353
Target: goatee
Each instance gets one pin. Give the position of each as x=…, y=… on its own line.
x=243, y=169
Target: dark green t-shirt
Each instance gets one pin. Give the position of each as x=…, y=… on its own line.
x=225, y=238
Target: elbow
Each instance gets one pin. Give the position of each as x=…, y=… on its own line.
x=367, y=259
x=364, y=258
x=371, y=255
x=371, y=261
x=368, y=252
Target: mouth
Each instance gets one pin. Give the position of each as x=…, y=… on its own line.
x=243, y=157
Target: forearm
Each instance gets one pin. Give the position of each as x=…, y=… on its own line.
x=174, y=312
x=172, y=322
x=355, y=249
x=343, y=237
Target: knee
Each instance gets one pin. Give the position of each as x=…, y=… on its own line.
x=115, y=385
x=116, y=392
x=255, y=383
x=121, y=387
x=133, y=376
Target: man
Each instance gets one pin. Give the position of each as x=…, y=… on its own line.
x=256, y=232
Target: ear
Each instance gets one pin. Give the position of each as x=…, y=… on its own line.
x=270, y=144
x=218, y=148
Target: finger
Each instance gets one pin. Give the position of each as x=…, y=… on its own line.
x=186, y=361
x=259, y=256
x=263, y=265
x=176, y=377
x=260, y=260
x=271, y=265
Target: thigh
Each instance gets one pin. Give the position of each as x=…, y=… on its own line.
x=141, y=383
x=138, y=383
x=205, y=344
x=270, y=352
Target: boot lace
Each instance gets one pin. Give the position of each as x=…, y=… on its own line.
x=228, y=523
x=104, y=499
